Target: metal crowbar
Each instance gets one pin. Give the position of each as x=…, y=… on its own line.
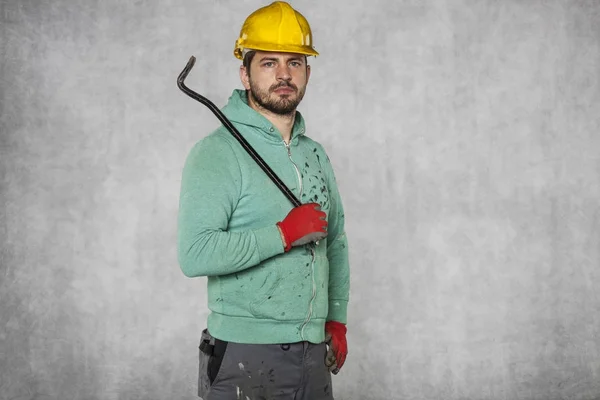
x=261, y=163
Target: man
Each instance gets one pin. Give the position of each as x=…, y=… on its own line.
x=278, y=275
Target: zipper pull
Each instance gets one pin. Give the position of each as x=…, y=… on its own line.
x=287, y=146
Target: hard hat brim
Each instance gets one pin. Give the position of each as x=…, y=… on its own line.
x=284, y=48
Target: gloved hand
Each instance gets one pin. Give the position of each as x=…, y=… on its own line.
x=335, y=337
x=304, y=224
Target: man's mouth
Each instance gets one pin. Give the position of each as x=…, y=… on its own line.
x=284, y=89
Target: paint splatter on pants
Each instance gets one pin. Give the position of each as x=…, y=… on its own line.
x=294, y=371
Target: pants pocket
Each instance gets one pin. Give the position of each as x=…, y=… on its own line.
x=210, y=359
x=216, y=360
x=203, y=381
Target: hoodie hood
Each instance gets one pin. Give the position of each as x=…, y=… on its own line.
x=238, y=111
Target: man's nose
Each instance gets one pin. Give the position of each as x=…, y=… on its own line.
x=283, y=73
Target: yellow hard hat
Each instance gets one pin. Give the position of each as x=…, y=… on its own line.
x=276, y=27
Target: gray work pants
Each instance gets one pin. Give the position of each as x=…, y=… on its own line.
x=233, y=371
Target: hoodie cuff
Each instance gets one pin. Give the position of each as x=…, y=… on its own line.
x=268, y=241
x=338, y=311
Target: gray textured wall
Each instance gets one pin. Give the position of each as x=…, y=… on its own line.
x=466, y=139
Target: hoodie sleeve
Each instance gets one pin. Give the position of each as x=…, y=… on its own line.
x=210, y=190
x=337, y=250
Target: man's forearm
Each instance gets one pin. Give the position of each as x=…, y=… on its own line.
x=216, y=252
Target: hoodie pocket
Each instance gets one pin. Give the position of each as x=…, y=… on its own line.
x=262, y=306
x=289, y=291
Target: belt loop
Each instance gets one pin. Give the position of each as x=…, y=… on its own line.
x=285, y=346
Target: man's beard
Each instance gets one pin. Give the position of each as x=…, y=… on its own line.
x=281, y=105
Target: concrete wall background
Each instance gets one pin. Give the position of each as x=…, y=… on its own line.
x=466, y=140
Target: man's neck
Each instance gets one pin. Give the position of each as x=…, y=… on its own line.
x=284, y=123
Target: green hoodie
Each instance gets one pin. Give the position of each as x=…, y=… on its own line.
x=228, y=209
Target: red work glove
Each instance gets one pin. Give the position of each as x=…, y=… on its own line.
x=338, y=347
x=304, y=224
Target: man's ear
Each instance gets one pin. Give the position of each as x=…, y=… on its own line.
x=307, y=73
x=244, y=78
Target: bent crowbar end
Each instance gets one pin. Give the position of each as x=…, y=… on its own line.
x=185, y=72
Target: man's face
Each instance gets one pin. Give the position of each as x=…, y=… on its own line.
x=276, y=81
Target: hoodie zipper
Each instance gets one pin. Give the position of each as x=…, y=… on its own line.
x=312, y=250
x=295, y=167
x=314, y=292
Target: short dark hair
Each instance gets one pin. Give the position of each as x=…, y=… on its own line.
x=248, y=60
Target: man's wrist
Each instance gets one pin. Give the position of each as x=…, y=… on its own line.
x=282, y=237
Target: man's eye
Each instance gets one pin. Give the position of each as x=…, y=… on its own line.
x=268, y=64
